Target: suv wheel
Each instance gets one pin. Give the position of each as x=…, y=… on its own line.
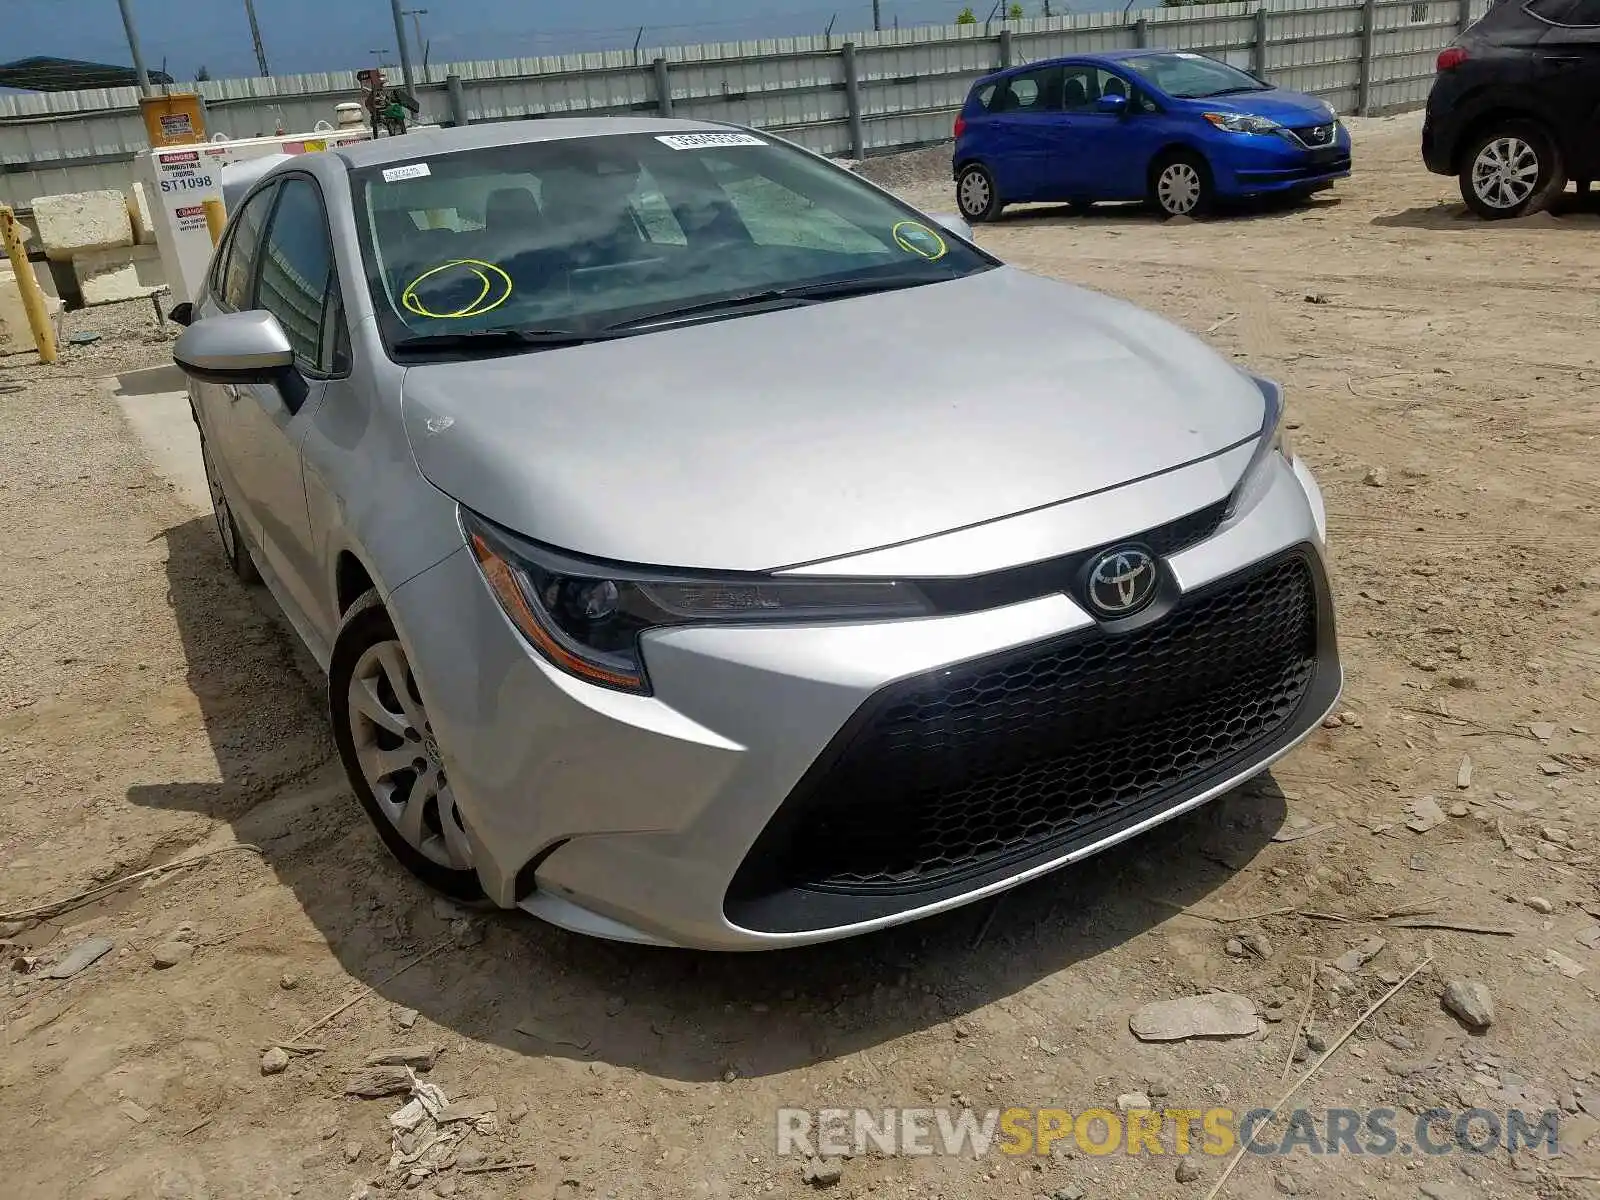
x=390, y=755
x=976, y=194
x=1511, y=169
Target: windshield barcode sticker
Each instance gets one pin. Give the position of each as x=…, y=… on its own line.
x=707, y=141
x=409, y=171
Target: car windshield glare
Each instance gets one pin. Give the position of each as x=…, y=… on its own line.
x=582, y=234
x=1193, y=76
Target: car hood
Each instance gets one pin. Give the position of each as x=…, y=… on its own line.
x=811, y=433
x=1287, y=108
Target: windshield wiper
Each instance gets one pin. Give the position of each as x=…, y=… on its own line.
x=495, y=339
x=1234, y=91
x=797, y=294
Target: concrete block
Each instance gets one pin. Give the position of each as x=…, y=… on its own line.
x=106, y=276
x=76, y=223
x=15, y=335
x=144, y=233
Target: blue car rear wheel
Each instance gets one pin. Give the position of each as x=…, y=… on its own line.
x=976, y=195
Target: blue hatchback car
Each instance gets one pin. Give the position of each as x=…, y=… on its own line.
x=1177, y=129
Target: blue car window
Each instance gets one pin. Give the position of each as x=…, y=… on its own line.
x=1030, y=91
x=1079, y=89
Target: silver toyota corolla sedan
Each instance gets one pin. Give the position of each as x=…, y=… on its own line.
x=707, y=549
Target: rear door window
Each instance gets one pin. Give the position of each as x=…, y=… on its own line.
x=238, y=277
x=1030, y=91
x=1578, y=13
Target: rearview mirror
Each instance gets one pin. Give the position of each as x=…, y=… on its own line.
x=1113, y=104
x=241, y=348
x=953, y=224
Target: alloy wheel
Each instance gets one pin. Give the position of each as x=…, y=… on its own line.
x=973, y=194
x=1179, y=188
x=399, y=757
x=1505, y=172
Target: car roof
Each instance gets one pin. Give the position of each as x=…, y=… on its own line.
x=424, y=142
x=1097, y=56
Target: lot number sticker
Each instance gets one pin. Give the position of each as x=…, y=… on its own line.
x=409, y=171
x=707, y=141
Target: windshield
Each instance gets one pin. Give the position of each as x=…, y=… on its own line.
x=1192, y=76
x=581, y=235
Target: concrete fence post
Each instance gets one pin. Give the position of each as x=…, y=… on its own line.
x=1259, y=56
x=1369, y=17
x=1141, y=33
x=1005, y=48
x=852, y=101
x=458, y=101
x=663, y=87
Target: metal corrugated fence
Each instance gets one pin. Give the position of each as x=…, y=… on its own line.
x=843, y=95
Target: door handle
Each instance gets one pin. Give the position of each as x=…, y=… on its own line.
x=1561, y=60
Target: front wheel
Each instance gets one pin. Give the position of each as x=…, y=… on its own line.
x=976, y=195
x=1511, y=169
x=387, y=744
x=1180, y=185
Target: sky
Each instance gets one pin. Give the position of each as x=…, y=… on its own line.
x=180, y=36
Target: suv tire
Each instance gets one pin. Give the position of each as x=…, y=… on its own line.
x=1511, y=168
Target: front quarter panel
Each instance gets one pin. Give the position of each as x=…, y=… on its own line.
x=366, y=496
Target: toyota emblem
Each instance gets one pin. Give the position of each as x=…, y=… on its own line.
x=1122, y=581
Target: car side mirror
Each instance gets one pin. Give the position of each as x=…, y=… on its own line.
x=1114, y=105
x=954, y=224
x=241, y=348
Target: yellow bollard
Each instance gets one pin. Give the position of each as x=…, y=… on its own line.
x=216, y=218
x=44, y=337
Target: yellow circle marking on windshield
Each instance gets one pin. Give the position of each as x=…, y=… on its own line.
x=488, y=275
x=916, y=238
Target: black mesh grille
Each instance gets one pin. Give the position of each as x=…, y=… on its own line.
x=954, y=774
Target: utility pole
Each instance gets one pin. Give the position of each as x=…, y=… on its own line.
x=255, y=37
x=133, y=47
x=416, y=15
x=877, y=17
x=405, y=52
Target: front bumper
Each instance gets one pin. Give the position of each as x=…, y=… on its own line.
x=673, y=819
x=1256, y=164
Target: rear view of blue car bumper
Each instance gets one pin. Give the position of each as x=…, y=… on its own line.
x=1258, y=164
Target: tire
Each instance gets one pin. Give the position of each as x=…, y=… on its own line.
x=1511, y=169
x=1180, y=185
x=976, y=196
x=376, y=733
x=233, y=547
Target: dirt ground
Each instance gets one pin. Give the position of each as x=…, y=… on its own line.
x=1444, y=381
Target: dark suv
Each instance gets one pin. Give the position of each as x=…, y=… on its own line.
x=1515, y=107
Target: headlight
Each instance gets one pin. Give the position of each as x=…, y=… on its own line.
x=586, y=618
x=1242, y=123
x=1274, y=442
